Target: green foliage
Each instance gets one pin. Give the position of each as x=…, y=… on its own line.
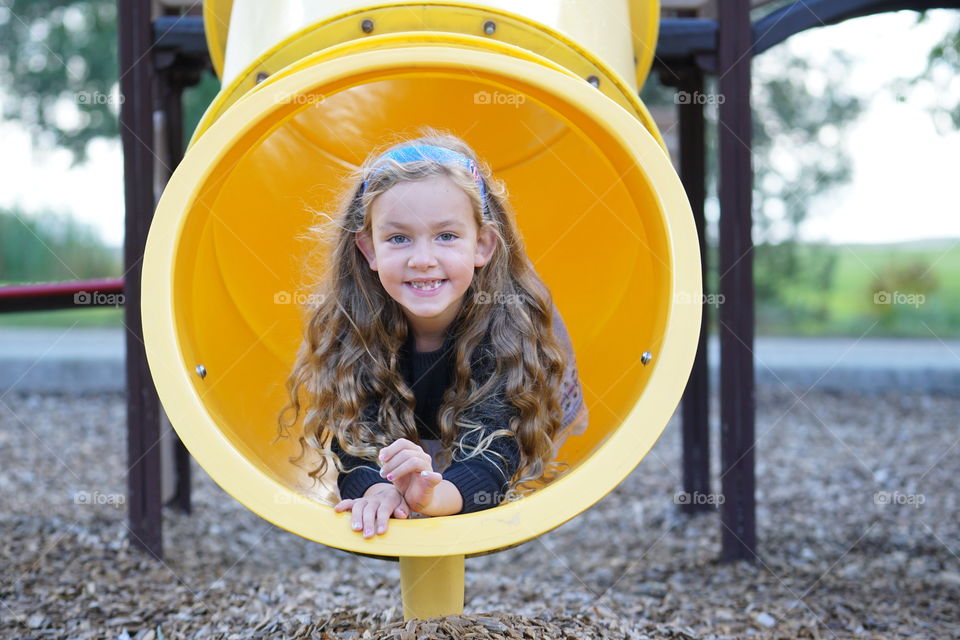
x=800, y=113
x=898, y=291
x=790, y=283
x=59, y=71
x=654, y=93
x=196, y=99
x=795, y=162
x=58, y=67
x=904, y=290
x=52, y=248
x=943, y=65
x=77, y=317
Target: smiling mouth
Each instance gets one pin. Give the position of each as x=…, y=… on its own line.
x=426, y=285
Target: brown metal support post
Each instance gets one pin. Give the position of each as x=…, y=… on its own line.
x=737, y=385
x=695, y=403
x=143, y=406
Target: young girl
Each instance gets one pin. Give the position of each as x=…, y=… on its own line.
x=438, y=372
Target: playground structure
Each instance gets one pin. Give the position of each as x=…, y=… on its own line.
x=555, y=113
x=163, y=50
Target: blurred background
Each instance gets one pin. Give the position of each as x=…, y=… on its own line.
x=857, y=134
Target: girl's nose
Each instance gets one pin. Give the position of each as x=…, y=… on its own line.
x=422, y=256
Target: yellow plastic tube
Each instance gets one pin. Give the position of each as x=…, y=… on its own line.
x=602, y=212
x=608, y=42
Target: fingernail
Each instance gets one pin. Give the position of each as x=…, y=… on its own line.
x=401, y=513
x=390, y=477
x=356, y=525
x=425, y=474
x=381, y=529
x=368, y=532
x=381, y=473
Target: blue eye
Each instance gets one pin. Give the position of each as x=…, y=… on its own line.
x=452, y=236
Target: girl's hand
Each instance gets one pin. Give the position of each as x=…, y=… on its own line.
x=410, y=469
x=372, y=511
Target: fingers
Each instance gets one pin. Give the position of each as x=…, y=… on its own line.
x=408, y=466
x=395, y=447
x=383, y=517
x=420, y=492
x=371, y=515
x=432, y=478
x=368, y=515
x=402, y=510
x=404, y=462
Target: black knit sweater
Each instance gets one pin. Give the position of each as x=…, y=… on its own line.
x=482, y=480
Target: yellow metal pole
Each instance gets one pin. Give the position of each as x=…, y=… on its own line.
x=431, y=587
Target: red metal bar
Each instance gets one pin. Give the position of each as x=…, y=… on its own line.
x=47, y=296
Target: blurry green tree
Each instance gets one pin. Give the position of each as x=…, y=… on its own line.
x=59, y=73
x=50, y=248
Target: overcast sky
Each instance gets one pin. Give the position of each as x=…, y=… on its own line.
x=905, y=172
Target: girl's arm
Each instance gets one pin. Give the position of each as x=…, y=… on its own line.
x=446, y=500
x=410, y=468
x=359, y=474
x=472, y=484
x=482, y=481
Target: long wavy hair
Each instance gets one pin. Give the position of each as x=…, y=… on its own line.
x=349, y=358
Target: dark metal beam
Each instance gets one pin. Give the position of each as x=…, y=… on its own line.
x=679, y=38
x=737, y=385
x=185, y=34
x=696, y=395
x=683, y=38
x=137, y=80
x=800, y=16
x=686, y=38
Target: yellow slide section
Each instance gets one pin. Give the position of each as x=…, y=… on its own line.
x=602, y=212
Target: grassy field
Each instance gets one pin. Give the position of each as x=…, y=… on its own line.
x=93, y=317
x=909, y=289
x=904, y=290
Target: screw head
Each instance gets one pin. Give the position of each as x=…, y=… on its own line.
x=489, y=27
x=646, y=358
x=594, y=80
x=201, y=371
x=367, y=25
x=261, y=76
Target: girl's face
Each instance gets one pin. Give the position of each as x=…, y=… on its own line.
x=425, y=245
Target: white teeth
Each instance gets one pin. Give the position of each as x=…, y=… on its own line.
x=426, y=286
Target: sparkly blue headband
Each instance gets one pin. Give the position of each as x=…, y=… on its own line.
x=421, y=152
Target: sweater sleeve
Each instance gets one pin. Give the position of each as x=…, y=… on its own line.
x=483, y=483
x=483, y=480
x=358, y=475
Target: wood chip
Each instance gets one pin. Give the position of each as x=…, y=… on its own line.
x=856, y=509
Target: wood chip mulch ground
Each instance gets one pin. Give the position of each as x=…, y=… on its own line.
x=859, y=537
